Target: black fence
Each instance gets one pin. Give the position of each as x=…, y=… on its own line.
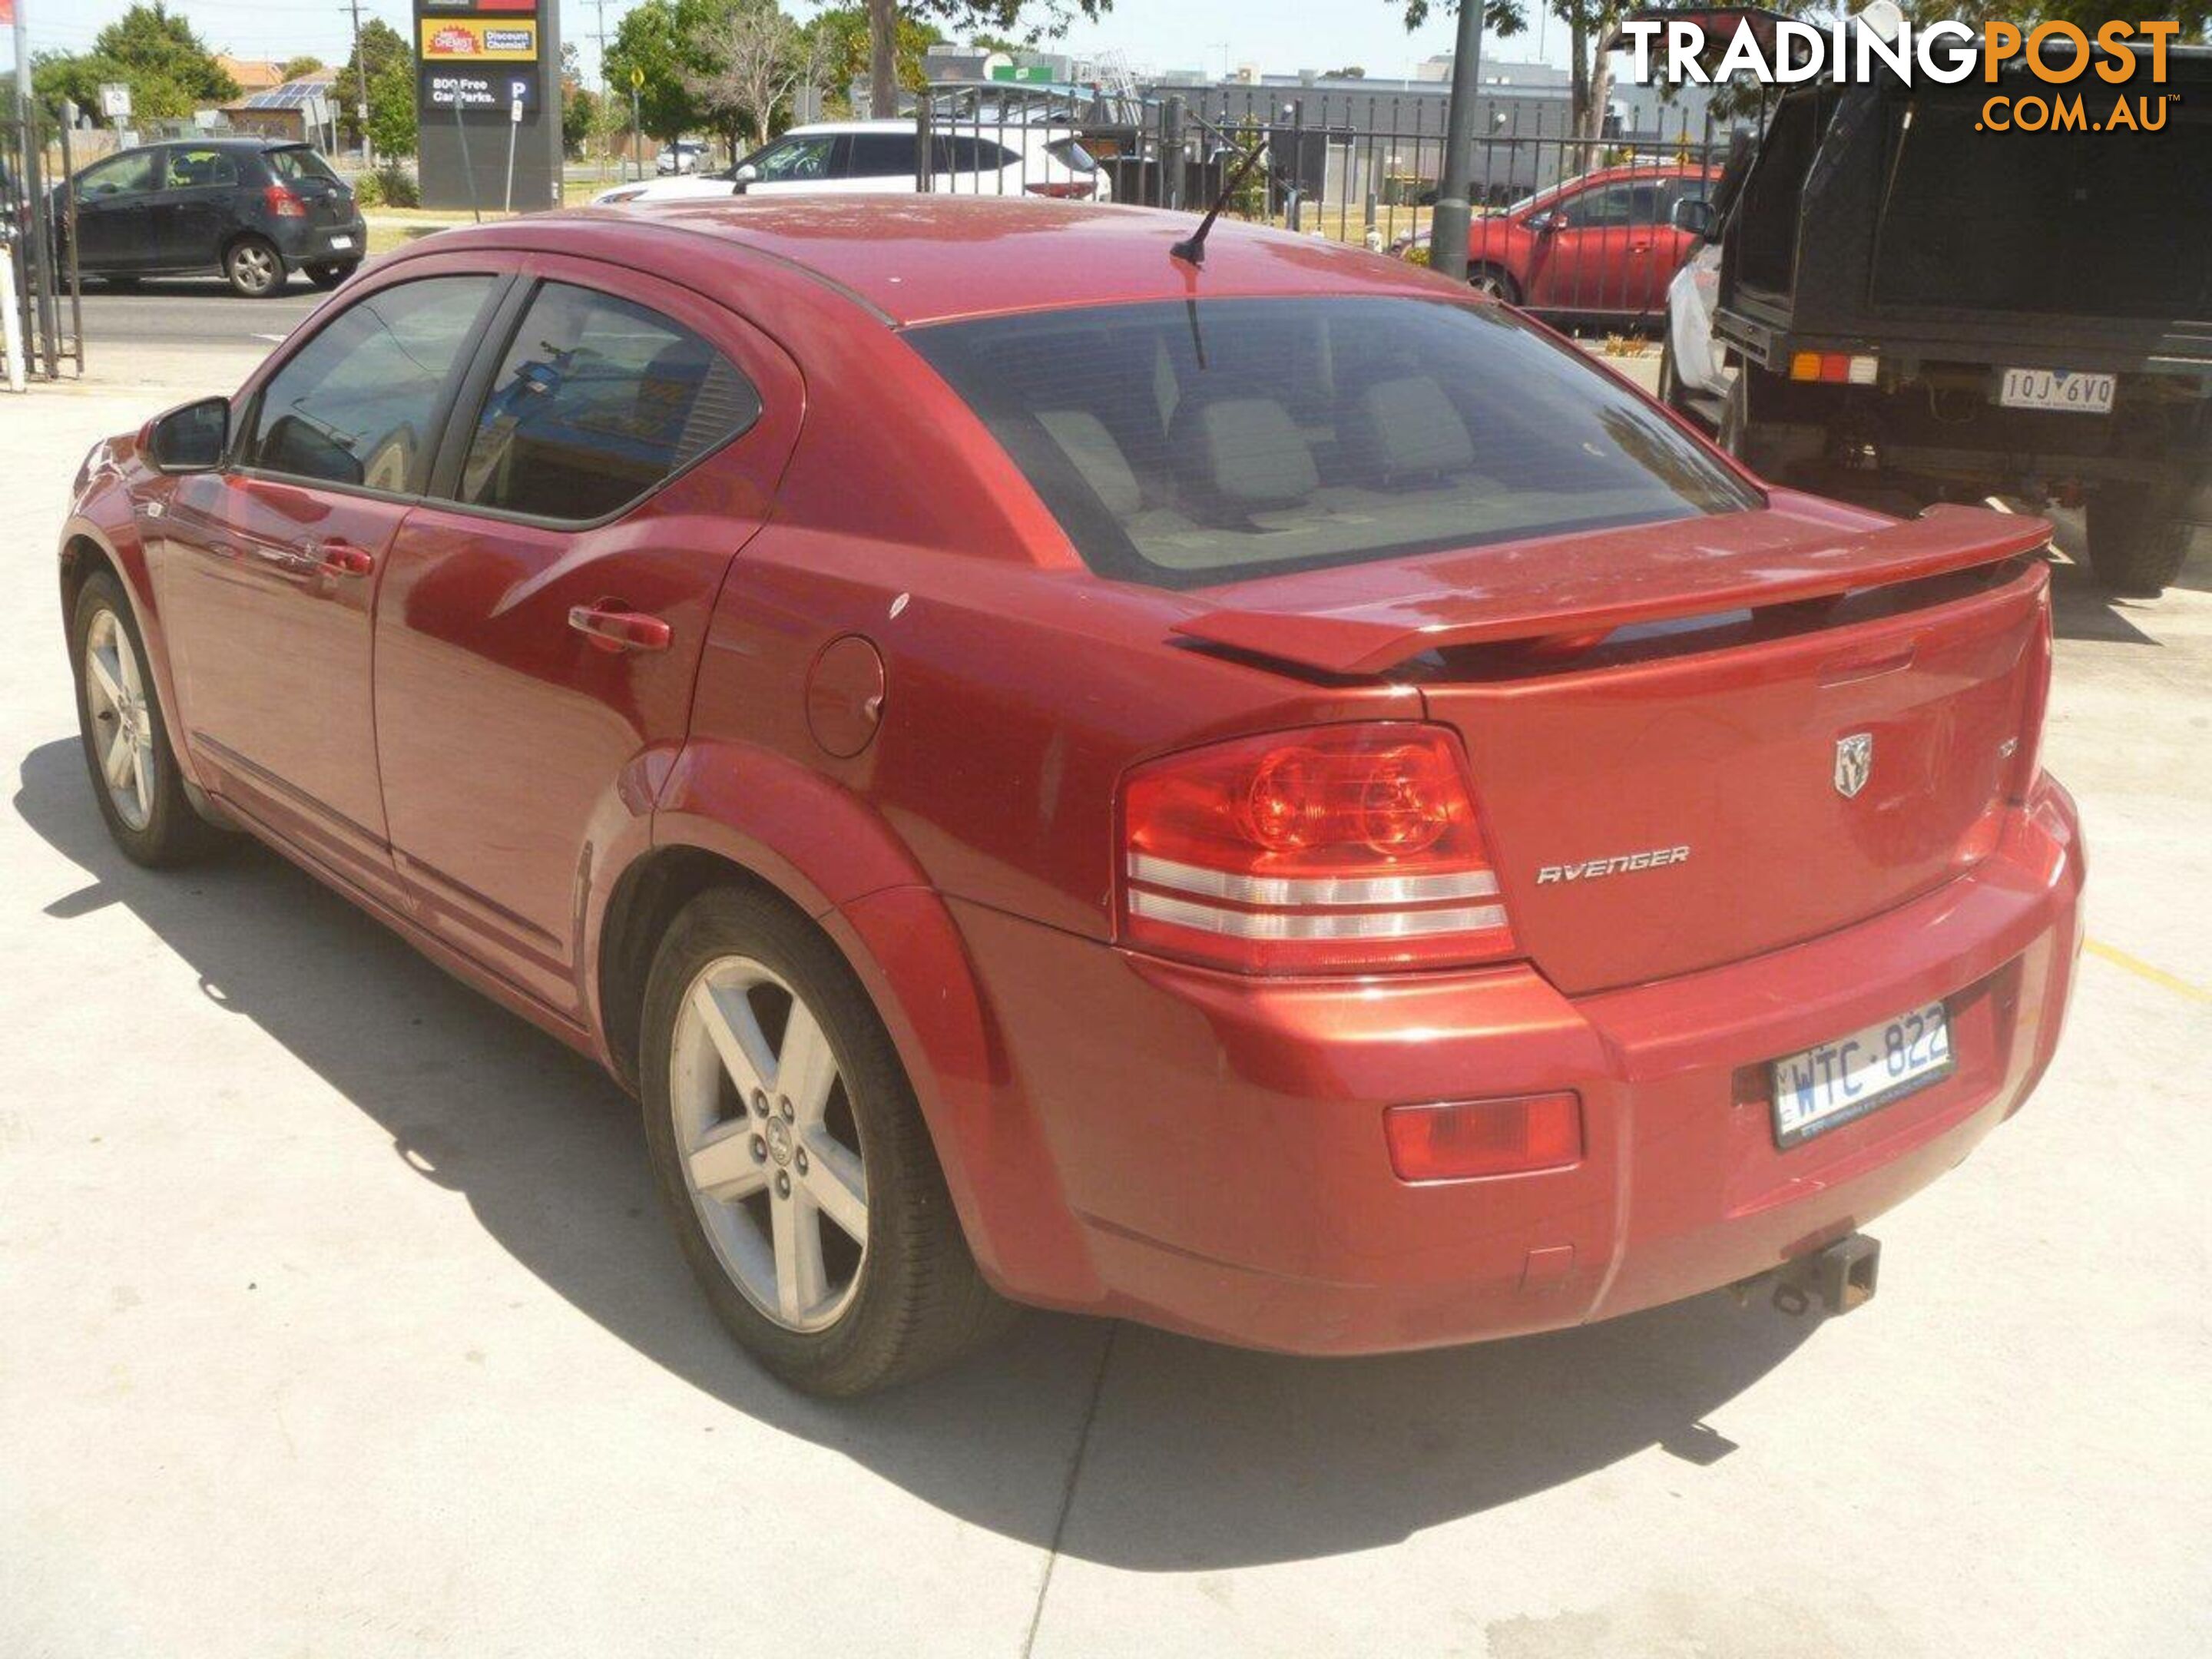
x=35, y=154
x=1580, y=227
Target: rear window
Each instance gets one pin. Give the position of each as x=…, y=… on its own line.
x=1181, y=446
x=297, y=163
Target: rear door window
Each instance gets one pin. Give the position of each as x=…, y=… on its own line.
x=1181, y=446
x=596, y=402
x=881, y=155
x=355, y=406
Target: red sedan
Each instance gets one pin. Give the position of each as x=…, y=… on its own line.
x=1272, y=796
x=1603, y=245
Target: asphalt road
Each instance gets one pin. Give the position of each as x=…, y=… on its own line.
x=190, y=311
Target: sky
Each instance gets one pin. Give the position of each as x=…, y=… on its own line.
x=1281, y=36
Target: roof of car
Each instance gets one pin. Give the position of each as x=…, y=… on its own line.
x=928, y=258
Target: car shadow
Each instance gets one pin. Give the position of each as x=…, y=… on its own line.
x=1198, y=1457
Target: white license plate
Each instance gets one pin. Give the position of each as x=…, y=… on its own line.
x=1825, y=1087
x=2057, y=388
x=341, y=241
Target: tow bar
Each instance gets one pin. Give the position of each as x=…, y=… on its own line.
x=1838, y=1277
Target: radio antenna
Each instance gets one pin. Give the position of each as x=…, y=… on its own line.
x=1192, y=250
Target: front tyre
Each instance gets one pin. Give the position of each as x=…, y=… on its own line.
x=135, y=777
x=793, y=1160
x=254, y=267
x=1495, y=282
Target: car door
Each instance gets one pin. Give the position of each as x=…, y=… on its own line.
x=267, y=570
x=113, y=226
x=1600, y=252
x=543, y=613
x=194, y=209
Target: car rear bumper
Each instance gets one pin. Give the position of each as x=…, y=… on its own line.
x=315, y=244
x=1218, y=1144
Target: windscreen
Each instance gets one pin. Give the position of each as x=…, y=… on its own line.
x=1181, y=445
x=296, y=162
x=2081, y=224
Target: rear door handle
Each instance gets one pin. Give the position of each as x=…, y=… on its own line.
x=610, y=628
x=344, y=559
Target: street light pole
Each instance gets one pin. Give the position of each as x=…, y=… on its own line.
x=1454, y=216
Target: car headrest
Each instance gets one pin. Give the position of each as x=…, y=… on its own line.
x=1247, y=452
x=1404, y=427
x=1090, y=449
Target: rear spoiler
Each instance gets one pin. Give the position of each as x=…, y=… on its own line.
x=1362, y=619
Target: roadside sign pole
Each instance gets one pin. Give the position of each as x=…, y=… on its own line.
x=461, y=132
x=1454, y=216
x=514, y=126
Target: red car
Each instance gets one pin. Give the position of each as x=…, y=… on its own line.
x=1270, y=796
x=1603, y=245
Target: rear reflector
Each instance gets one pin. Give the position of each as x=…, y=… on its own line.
x=1835, y=368
x=1463, y=1139
x=1344, y=848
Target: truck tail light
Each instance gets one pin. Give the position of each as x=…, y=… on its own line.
x=1338, y=849
x=1835, y=368
x=1468, y=1137
x=283, y=204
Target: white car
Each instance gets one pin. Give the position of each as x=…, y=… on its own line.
x=1693, y=374
x=878, y=157
x=680, y=157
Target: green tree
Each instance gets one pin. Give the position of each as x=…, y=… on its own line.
x=379, y=48
x=297, y=68
x=391, y=116
x=665, y=42
x=1051, y=19
x=842, y=48
x=579, y=105
x=157, y=47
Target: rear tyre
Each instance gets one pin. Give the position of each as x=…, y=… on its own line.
x=1495, y=282
x=134, y=778
x=2136, y=549
x=327, y=276
x=793, y=1159
x=255, y=268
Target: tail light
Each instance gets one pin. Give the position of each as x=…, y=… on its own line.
x=283, y=204
x=1075, y=190
x=1338, y=849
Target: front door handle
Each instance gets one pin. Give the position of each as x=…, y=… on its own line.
x=610, y=628
x=344, y=559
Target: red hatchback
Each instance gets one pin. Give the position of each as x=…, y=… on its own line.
x=1275, y=799
x=1603, y=245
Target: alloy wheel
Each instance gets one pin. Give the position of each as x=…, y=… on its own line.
x=122, y=720
x=769, y=1144
x=253, y=267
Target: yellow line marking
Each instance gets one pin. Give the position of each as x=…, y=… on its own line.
x=2142, y=969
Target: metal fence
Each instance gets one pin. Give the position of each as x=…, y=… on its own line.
x=35, y=154
x=1583, y=229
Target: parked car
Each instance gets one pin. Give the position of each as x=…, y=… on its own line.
x=680, y=157
x=252, y=209
x=1270, y=796
x=1959, y=316
x=878, y=157
x=1603, y=245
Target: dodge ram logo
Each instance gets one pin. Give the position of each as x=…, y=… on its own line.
x=1854, y=761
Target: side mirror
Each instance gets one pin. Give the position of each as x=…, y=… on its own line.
x=1694, y=215
x=1545, y=223
x=191, y=439
x=744, y=175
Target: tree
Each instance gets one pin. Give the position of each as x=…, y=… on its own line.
x=581, y=114
x=842, y=34
x=662, y=42
x=885, y=17
x=391, y=114
x=1350, y=72
x=155, y=47
x=759, y=58
x=298, y=68
x=379, y=48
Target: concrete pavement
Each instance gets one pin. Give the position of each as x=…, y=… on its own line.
x=339, y=1319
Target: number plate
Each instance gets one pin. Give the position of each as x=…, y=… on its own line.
x=2057, y=388
x=1828, y=1086
x=341, y=241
